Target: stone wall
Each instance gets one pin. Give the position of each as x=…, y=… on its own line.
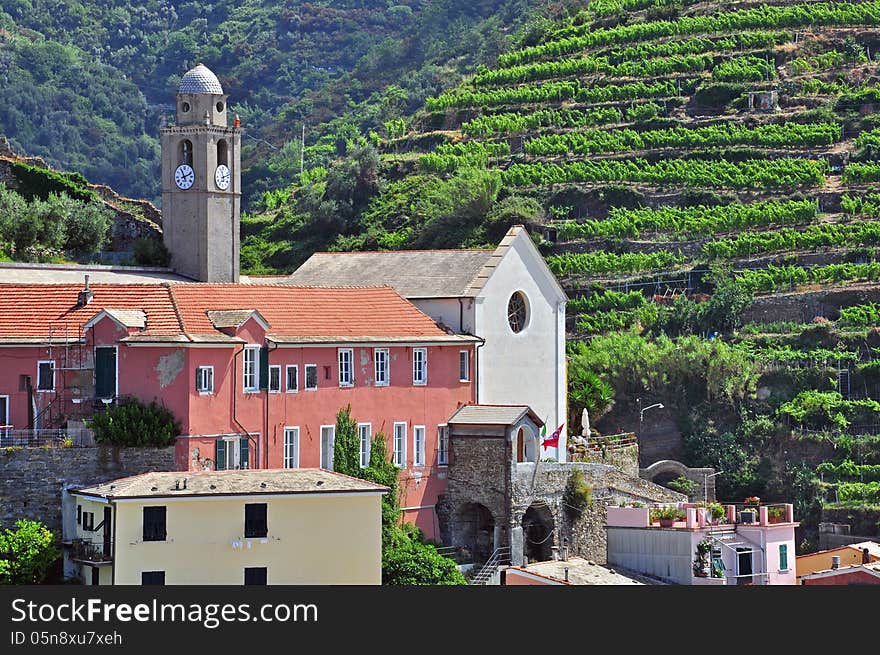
x=32, y=479
x=625, y=458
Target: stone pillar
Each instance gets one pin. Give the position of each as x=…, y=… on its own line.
x=517, y=552
x=762, y=515
x=731, y=513
x=789, y=512
x=496, y=538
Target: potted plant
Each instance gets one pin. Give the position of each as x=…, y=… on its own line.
x=716, y=512
x=752, y=500
x=667, y=516
x=776, y=514
x=701, y=563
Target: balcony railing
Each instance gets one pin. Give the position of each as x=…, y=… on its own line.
x=60, y=438
x=84, y=550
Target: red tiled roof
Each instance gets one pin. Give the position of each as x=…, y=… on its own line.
x=28, y=310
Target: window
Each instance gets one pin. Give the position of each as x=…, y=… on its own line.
x=291, y=448
x=292, y=375
x=96, y=576
x=420, y=365
x=154, y=523
x=380, y=358
x=464, y=369
x=274, y=379
x=46, y=375
x=231, y=453
x=4, y=414
x=400, y=444
x=442, y=445
x=783, y=557
x=364, y=436
x=88, y=521
x=205, y=379
x=251, y=373
x=255, y=575
x=255, y=520
x=153, y=577
x=222, y=147
x=346, y=367
x=328, y=437
x=186, y=151
x=517, y=312
x=79, y=514
x=419, y=445
x=311, y=377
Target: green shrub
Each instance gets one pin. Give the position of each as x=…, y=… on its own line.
x=150, y=252
x=132, y=423
x=683, y=485
x=578, y=495
x=27, y=554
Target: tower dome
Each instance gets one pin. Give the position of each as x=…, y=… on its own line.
x=200, y=80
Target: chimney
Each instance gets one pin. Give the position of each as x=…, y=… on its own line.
x=566, y=574
x=184, y=483
x=866, y=556
x=835, y=561
x=85, y=296
x=177, y=484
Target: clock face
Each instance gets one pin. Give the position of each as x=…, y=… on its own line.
x=221, y=177
x=184, y=176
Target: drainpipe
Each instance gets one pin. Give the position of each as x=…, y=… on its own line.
x=266, y=413
x=234, y=399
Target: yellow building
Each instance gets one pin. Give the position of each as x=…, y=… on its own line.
x=276, y=526
x=860, y=553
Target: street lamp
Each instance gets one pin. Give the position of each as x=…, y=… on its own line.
x=706, y=477
x=642, y=411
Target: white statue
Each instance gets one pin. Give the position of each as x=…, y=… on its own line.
x=585, y=423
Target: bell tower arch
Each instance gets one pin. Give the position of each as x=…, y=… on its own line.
x=201, y=182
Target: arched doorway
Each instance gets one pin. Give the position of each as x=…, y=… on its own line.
x=537, y=525
x=477, y=530
x=526, y=447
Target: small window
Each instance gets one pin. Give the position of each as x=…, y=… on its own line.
x=222, y=148
x=783, y=557
x=232, y=453
x=311, y=377
x=400, y=444
x=154, y=524
x=274, y=379
x=420, y=365
x=517, y=312
x=153, y=578
x=419, y=445
x=464, y=369
x=380, y=359
x=328, y=439
x=255, y=575
x=186, y=152
x=255, y=525
x=291, y=448
x=442, y=445
x=292, y=378
x=364, y=437
x=251, y=373
x=346, y=367
x=79, y=513
x=88, y=521
x=220, y=106
x=205, y=379
x=46, y=375
x=184, y=107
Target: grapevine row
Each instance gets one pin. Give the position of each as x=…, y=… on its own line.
x=774, y=278
x=595, y=263
x=749, y=243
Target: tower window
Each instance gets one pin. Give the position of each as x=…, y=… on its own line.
x=222, y=153
x=184, y=107
x=186, y=152
x=220, y=106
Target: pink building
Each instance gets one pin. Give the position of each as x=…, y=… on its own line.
x=255, y=374
x=741, y=548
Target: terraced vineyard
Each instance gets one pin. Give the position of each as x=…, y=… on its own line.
x=707, y=182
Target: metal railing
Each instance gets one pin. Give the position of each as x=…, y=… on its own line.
x=85, y=550
x=500, y=557
x=59, y=438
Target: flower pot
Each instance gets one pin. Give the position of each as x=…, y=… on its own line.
x=667, y=523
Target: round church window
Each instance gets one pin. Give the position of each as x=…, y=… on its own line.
x=219, y=106
x=517, y=312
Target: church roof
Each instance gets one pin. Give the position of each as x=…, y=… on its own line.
x=200, y=80
x=412, y=273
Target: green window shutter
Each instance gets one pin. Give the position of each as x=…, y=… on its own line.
x=264, y=367
x=220, y=455
x=244, y=461
x=783, y=557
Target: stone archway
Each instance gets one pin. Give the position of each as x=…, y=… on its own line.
x=537, y=526
x=476, y=530
x=665, y=470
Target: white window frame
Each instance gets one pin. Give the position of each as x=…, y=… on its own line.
x=418, y=445
x=250, y=369
x=381, y=355
x=365, y=438
x=203, y=374
x=287, y=387
x=314, y=367
x=332, y=429
x=420, y=353
x=274, y=388
x=464, y=362
x=291, y=437
x=443, y=440
x=346, y=369
x=39, y=364
x=400, y=444
x=4, y=417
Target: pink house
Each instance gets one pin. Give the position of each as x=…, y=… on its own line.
x=255, y=374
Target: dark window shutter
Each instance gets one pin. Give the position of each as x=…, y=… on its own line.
x=264, y=367
x=220, y=455
x=244, y=452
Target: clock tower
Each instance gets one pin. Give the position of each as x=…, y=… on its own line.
x=201, y=182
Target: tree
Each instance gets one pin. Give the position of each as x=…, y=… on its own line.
x=27, y=554
x=346, y=449
x=132, y=423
